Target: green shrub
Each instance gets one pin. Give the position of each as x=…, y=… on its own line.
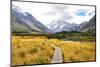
x=33, y=50
x=41, y=60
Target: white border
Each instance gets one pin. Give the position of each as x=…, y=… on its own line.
x=4, y=33
x=5, y=38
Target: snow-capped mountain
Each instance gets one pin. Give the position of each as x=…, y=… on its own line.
x=24, y=22
x=61, y=25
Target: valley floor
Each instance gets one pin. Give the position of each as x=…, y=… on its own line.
x=40, y=50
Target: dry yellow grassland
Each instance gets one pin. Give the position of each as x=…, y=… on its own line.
x=37, y=50
x=30, y=50
x=76, y=51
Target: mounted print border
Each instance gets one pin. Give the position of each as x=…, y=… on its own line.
x=52, y=33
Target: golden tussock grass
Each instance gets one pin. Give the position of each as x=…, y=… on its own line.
x=74, y=51
x=30, y=50
x=37, y=50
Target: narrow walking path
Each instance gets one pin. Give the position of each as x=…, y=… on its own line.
x=57, y=58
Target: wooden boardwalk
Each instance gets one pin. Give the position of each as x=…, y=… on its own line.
x=57, y=58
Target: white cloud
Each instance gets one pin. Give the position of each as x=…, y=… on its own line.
x=79, y=19
x=46, y=13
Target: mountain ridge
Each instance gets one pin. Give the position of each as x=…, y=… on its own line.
x=61, y=25
x=24, y=21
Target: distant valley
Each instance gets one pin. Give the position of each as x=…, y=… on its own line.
x=25, y=23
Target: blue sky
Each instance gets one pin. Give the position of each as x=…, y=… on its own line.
x=46, y=13
x=81, y=12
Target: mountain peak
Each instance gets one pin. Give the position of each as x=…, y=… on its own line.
x=18, y=9
x=61, y=25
